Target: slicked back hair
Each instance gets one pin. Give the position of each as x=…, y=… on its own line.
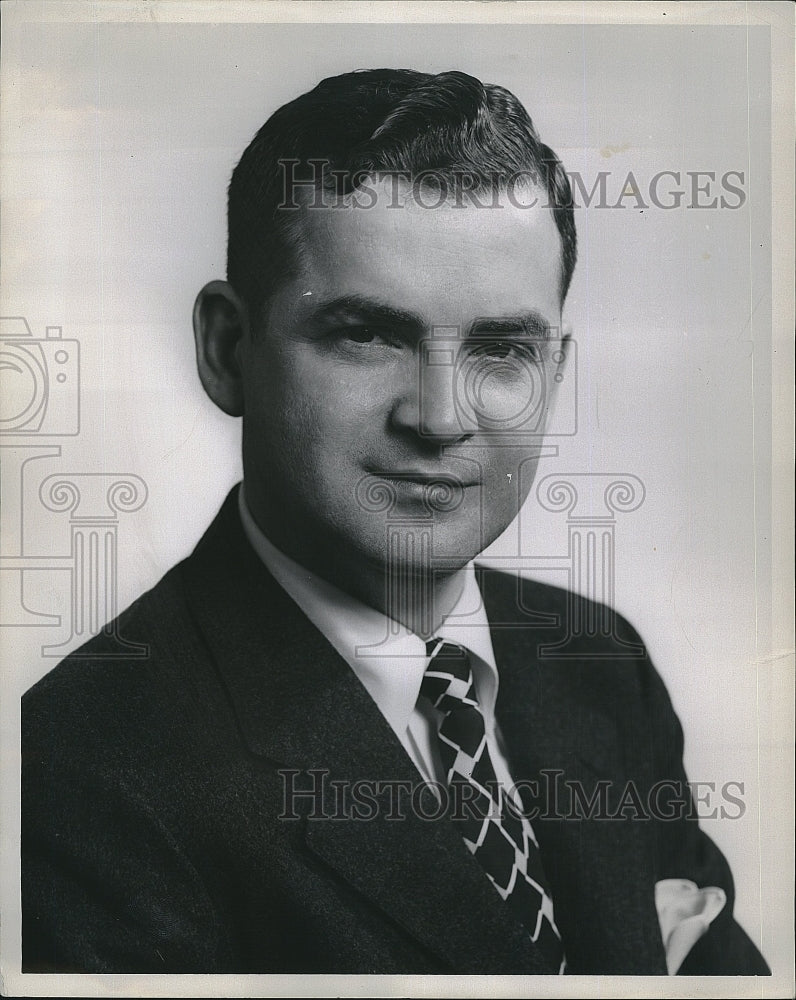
x=395, y=121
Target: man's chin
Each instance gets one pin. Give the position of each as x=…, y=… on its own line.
x=417, y=552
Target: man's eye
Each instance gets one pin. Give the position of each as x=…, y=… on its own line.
x=361, y=334
x=508, y=349
x=501, y=349
x=366, y=334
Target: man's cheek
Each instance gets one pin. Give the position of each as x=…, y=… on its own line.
x=510, y=472
x=299, y=429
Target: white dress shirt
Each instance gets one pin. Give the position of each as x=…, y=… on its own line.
x=390, y=661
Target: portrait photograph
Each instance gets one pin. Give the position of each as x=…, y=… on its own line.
x=396, y=552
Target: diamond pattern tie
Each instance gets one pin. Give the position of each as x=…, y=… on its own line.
x=494, y=829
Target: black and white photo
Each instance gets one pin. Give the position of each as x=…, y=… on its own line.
x=396, y=497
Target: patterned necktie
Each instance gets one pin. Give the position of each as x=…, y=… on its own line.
x=494, y=829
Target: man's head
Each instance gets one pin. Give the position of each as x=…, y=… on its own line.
x=396, y=321
x=444, y=127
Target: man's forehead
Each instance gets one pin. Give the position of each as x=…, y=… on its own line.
x=392, y=204
x=497, y=258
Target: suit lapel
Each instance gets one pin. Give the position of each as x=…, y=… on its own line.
x=300, y=705
x=553, y=718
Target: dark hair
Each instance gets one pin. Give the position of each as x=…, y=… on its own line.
x=383, y=120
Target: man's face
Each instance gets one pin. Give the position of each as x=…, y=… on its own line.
x=411, y=346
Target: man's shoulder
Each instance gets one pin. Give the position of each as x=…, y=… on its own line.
x=156, y=631
x=555, y=640
x=512, y=598
x=156, y=669
x=116, y=673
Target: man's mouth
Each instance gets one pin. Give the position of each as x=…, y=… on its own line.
x=423, y=478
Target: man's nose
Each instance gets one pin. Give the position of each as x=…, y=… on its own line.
x=431, y=407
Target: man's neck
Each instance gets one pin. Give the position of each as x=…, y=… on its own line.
x=416, y=597
x=410, y=592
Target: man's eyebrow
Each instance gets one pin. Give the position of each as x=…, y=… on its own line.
x=531, y=324
x=373, y=310
x=364, y=307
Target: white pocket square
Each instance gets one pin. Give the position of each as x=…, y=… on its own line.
x=685, y=912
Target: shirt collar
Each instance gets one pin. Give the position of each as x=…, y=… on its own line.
x=388, y=658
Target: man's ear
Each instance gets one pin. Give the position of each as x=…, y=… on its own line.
x=220, y=324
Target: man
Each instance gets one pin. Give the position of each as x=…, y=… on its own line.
x=347, y=750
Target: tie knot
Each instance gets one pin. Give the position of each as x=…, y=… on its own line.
x=448, y=680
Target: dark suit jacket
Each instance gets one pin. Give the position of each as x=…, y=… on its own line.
x=152, y=839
